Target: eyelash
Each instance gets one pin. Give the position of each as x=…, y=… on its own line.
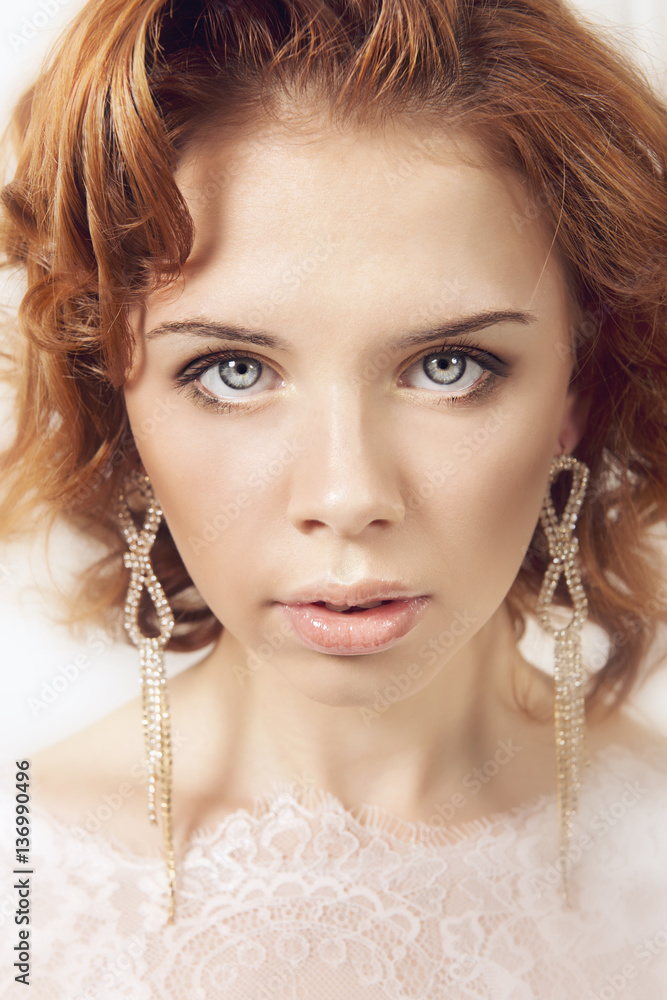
x=497, y=369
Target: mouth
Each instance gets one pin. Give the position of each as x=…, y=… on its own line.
x=346, y=609
x=354, y=629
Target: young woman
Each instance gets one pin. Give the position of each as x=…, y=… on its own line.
x=345, y=330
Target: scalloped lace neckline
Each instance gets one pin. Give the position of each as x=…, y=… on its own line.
x=312, y=801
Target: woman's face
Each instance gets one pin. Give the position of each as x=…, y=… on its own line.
x=331, y=442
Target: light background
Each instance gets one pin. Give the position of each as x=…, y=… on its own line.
x=53, y=684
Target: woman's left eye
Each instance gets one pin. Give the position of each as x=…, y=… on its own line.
x=458, y=369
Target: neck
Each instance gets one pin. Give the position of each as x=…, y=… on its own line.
x=397, y=749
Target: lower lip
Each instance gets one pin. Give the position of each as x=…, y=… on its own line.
x=368, y=631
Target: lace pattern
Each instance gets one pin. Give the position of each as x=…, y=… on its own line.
x=300, y=899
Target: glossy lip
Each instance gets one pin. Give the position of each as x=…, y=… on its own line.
x=357, y=632
x=359, y=592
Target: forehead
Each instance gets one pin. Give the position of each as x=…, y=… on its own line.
x=261, y=179
x=400, y=209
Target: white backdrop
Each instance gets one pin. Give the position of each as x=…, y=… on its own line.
x=51, y=683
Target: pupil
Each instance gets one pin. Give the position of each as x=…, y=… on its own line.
x=445, y=369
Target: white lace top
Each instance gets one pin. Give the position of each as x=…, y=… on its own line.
x=302, y=900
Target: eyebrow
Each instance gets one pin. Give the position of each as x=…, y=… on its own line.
x=262, y=338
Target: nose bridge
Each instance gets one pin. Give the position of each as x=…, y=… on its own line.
x=345, y=477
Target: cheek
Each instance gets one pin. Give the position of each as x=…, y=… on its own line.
x=485, y=519
x=502, y=481
x=514, y=491
x=220, y=487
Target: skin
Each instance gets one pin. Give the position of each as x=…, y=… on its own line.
x=400, y=241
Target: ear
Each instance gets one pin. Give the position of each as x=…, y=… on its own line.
x=574, y=420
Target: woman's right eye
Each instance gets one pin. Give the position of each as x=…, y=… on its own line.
x=233, y=374
x=227, y=376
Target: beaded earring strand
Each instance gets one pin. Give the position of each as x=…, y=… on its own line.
x=569, y=705
x=157, y=735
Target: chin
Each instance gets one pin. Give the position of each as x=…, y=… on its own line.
x=348, y=682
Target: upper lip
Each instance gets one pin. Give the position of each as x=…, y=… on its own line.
x=359, y=592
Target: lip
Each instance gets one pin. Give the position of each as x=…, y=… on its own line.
x=358, y=632
x=361, y=592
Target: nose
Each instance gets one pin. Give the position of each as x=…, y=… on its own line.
x=346, y=477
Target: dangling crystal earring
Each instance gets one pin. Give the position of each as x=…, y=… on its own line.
x=157, y=736
x=569, y=707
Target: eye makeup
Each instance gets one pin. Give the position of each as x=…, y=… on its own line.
x=492, y=370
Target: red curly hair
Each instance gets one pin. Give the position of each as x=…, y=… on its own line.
x=95, y=219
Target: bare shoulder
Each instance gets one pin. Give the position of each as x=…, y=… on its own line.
x=93, y=753
x=96, y=778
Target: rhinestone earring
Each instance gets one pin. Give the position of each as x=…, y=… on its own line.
x=157, y=735
x=569, y=706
